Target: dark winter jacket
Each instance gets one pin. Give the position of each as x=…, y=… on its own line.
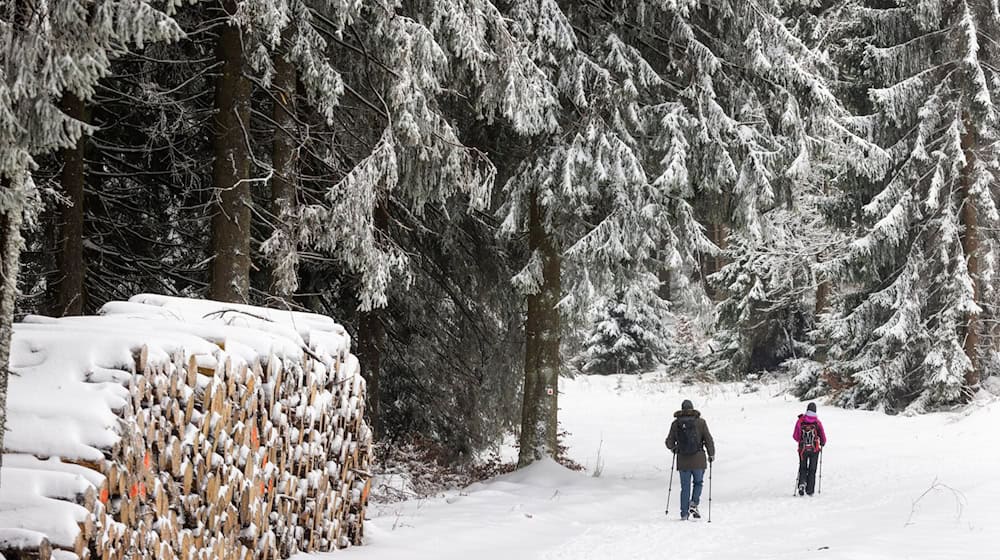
x=698, y=460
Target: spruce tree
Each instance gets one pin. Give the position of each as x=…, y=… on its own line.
x=49, y=49
x=920, y=277
x=625, y=337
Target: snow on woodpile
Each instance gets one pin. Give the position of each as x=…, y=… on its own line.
x=177, y=428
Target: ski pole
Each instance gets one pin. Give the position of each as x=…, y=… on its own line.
x=670, y=485
x=710, y=491
x=798, y=479
x=819, y=488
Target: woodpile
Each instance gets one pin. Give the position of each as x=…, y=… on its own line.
x=232, y=454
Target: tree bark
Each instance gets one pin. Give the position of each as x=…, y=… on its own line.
x=284, y=150
x=822, y=294
x=665, y=276
x=10, y=254
x=70, y=291
x=970, y=247
x=231, y=170
x=539, y=412
x=718, y=234
x=372, y=344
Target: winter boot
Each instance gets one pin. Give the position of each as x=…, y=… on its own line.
x=694, y=511
x=802, y=488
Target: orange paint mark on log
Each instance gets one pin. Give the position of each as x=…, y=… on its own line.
x=134, y=491
x=254, y=436
x=104, y=496
x=147, y=460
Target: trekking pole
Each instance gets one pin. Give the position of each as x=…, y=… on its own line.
x=710, y=491
x=819, y=488
x=795, y=489
x=670, y=484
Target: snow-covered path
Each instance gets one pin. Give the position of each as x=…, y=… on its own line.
x=893, y=487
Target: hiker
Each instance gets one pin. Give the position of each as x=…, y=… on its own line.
x=811, y=438
x=689, y=438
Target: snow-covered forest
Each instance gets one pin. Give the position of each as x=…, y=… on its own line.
x=493, y=195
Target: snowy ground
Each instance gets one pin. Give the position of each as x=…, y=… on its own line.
x=892, y=487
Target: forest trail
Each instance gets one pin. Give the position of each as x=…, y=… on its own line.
x=893, y=487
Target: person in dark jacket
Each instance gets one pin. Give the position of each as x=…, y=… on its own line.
x=689, y=439
x=811, y=437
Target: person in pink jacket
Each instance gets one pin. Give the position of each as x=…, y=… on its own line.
x=811, y=437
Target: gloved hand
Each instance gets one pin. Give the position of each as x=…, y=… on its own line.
x=711, y=458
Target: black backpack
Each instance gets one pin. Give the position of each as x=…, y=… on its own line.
x=809, y=441
x=688, y=441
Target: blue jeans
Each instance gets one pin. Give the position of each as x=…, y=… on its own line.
x=687, y=498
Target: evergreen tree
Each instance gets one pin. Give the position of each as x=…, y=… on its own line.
x=673, y=102
x=911, y=328
x=770, y=294
x=625, y=338
x=50, y=49
x=424, y=67
x=770, y=135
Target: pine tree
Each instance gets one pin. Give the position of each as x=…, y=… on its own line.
x=231, y=210
x=674, y=102
x=911, y=330
x=601, y=202
x=412, y=73
x=770, y=293
x=766, y=134
x=626, y=336
x=49, y=49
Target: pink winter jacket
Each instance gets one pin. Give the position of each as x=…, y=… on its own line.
x=809, y=418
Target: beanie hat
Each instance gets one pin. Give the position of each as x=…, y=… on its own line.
x=686, y=405
x=811, y=406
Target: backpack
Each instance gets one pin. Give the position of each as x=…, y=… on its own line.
x=809, y=441
x=688, y=442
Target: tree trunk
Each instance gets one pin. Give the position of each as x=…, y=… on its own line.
x=10, y=254
x=372, y=344
x=822, y=294
x=70, y=291
x=710, y=264
x=284, y=150
x=539, y=413
x=666, y=278
x=231, y=170
x=970, y=247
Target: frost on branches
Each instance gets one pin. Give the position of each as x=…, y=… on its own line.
x=914, y=328
x=49, y=49
x=770, y=294
x=424, y=54
x=626, y=336
x=751, y=135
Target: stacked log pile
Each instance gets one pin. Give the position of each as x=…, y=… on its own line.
x=250, y=445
